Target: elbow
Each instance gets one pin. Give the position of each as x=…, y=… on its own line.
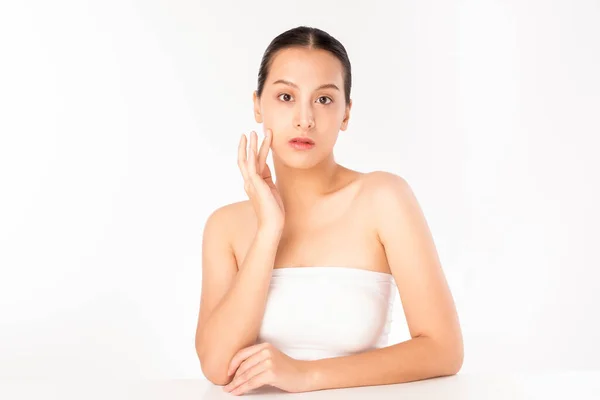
x=454, y=365
x=454, y=359
x=216, y=375
x=459, y=356
x=213, y=369
x=450, y=357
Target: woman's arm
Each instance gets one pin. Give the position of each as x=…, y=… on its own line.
x=436, y=346
x=232, y=303
x=413, y=259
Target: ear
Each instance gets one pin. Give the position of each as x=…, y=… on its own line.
x=257, y=115
x=344, y=125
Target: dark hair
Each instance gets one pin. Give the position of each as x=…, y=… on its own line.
x=311, y=38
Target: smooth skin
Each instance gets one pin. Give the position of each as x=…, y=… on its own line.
x=369, y=221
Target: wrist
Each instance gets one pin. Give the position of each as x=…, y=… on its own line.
x=270, y=231
x=310, y=375
x=268, y=235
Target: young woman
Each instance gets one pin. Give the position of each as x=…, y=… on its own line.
x=298, y=281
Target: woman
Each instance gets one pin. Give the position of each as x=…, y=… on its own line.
x=298, y=281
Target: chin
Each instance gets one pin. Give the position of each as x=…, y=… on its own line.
x=298, y=160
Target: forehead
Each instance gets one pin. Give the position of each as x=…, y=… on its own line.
x=311, y=67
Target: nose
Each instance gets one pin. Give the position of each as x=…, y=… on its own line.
x=304, y=118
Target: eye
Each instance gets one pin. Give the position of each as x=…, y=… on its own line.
x=325, y=97
x=283, y=94
x=320, y=102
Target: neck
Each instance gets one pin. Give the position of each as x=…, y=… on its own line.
x=302, y=188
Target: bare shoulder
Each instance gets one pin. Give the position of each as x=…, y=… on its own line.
x=224, y=220
x=390, y=200
x=231, y=211
x=379, y=187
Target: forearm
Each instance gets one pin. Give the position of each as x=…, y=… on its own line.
x=235, y=322
x=415, y=359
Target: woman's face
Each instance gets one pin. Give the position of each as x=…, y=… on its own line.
x=294, y=103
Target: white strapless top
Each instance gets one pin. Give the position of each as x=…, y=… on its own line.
x=324, y=312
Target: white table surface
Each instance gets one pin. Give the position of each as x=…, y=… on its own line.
x=554, y=385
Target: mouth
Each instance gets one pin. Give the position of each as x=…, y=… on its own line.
x=303, y=140
x=301, y=143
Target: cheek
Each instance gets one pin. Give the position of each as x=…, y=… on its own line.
x=278, y=123
x=329, y=119
x=278, y=141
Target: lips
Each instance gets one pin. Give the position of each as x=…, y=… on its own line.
x=302, y=143
x=303, y=140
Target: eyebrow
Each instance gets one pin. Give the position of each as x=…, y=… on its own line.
x=325, y=86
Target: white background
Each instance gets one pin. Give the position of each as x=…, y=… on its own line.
x=119, y=124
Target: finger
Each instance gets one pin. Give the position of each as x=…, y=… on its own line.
x=244, y=354
x=264, y=151
x=263, y=378
x=256, y=366
x=244, y=372
x=267, y=175
x=252, y=156
x=242, y=162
